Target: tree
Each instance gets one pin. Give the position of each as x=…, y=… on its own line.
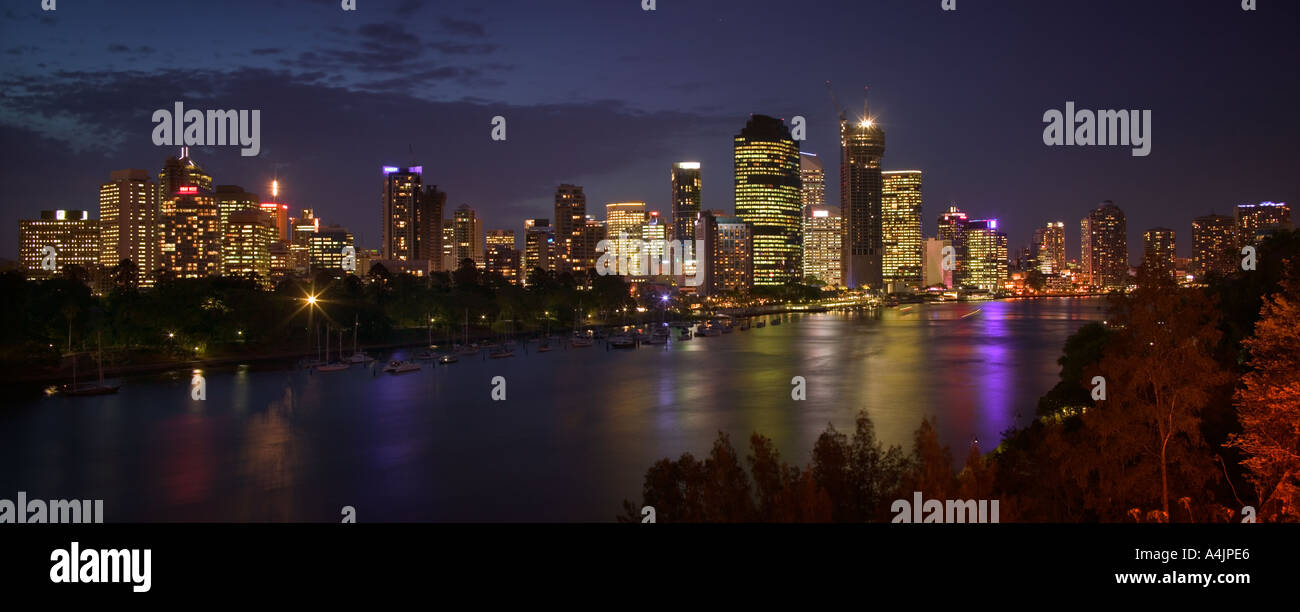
x=1268, y=403
x=126, y=275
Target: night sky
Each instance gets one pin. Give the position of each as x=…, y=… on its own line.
x=606, y=95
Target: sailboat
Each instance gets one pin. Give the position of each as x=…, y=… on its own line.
x=467, y=348
x=76, y=390
x=357, y=356
x=309, y=363
x=580, y=339
x=338, y=365
x=428, y=354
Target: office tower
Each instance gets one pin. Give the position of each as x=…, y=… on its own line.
x=325, y=248
x=449, y=262
x=952, y=228
x=300, y=243
x=1159, y=251
x=428, y=218
x=469, y=237
x=900, y=229
x=727, y=261
x=812, y=183
x=590, y=233
x=1104, y=250
x=72, y=234
x=1214, y=245
x=570, y=219
x=686, y=200
x=279, y=212
x=768, y=198
x=190, y=220
x=654, y=235
x=932, y=268
x=502, y=257
x=248, y=235
x=281, y=261
x=1255, y=221
x=400, y=207
x=986, y=256
x=823, y=246
x=1050, y=241
x=539, y=243
x=623, y=222
x=128, y=222
x=862, y=145
x=232, y=199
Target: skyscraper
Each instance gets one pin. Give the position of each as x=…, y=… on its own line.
x=952, y=229
x=727, y=261
x=1214, y=244
x=862, y=145
x=539, y=242
x=812, y=181
x=934, y=274
x=686, y=200
x=570, y=218
x=1104, y=251
x=822, y=246
x=190, y=220
x=1255, y=221
x=501, y=255
x=325, y=248
x=768, y=198
x=623, y=224
x=1159, y=251
x=901, y=228
x=246, y=245
x=401, y=199
x=986, y=256
x=469, y=237
x=1051, y=247
x=72, y=234
x=428, y=220
x=233, y=199
x=128, y=221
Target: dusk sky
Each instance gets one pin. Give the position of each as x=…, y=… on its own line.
x=603, y=94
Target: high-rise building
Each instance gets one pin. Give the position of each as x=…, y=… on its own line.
x=402, y=214
x=1050, y=243
x=623, y=224
x=502, y=256
x=73, y=236
x=727, y=260
x=233, y=199
x=279, y=212
x=686, y=200
x=768, y=198
x=1255, y=221
x=900, y=221
x=570, y=220
x=933, y=271
x=862, y=145
x=449, y=262
x=822, y=246
x=190, y=220
x=1214, y=245
x=128, y=221
x=469, y=237
x=952, y=228
x=986, y=256
x=654, y=235
x=590, y=233
x=303, y=229
x=812, y=183
x=1104, y=250
x=325, y=248
x=1159, y=250
x=248, y=235
x=539, y=245
x=428, y=218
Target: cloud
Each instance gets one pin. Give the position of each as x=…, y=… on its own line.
x=465, y=28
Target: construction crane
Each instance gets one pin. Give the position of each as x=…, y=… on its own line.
x=838, y=111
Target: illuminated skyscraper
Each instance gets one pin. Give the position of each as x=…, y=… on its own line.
x=728, y=253
x=623, y=224
x=654, y=234
x=469, y=237
x=190, y=220
x=932, y=268
x=279, y=211
x=1050, y=240
x=1214, y=244
x=1158, y=250
x=952, y=228
x=901, y=228
x=539, y=243
x=246, y=245
x=502, y=256
x=400, y=208
x=570, y=219
x=72, y=234
x=812, y=183
x=303, y=229
x=590, y=233
x=686, y=200
x=986, y=256
x=326, y=246
x=128, y=221
x=1255, y=221
x=1104, y=252
x=862, y=145
x=233, y=199
x=768, y=198
x=822, y=246
x=449, y=262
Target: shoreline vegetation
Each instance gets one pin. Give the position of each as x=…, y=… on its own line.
x=1199, y=422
